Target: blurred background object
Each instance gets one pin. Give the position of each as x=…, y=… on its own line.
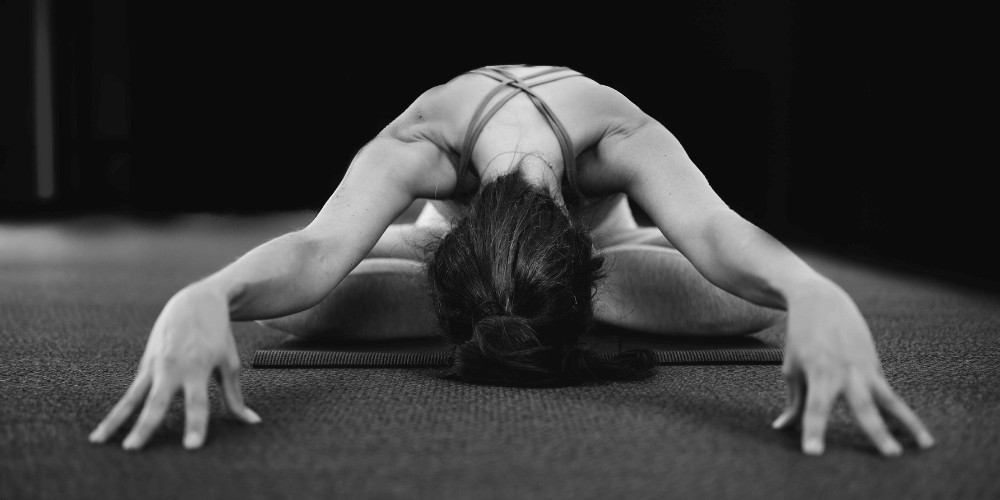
x=852, y=128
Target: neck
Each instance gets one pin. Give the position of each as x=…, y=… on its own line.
x=534, y=168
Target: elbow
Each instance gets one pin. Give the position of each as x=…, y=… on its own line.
x=706, y=234
x=315, y=249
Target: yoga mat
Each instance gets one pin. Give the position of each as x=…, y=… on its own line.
x=297, y=353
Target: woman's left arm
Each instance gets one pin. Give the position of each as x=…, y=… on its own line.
x=829, y=350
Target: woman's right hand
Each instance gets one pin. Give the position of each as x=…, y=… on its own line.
x=191, y=340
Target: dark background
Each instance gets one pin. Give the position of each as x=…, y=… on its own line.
x=859, y=129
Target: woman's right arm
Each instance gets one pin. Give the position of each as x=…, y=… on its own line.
x=191, y=339
x=297, y=270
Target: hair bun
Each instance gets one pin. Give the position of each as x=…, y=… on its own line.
x=487, y=309
x=504, y=333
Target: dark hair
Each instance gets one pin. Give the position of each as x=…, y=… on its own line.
x=513, y=285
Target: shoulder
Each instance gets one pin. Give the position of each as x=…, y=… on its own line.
x=619, y=113
x=427, y=112
x=413, y=150
x=437, y=115
x=637, y=155
x=598, y=112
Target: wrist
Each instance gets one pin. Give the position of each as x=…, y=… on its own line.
x=209, y=289
x=810, y=288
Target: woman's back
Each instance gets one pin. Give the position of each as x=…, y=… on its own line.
x=488, y=123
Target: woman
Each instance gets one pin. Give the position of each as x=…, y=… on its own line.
x=528, y=171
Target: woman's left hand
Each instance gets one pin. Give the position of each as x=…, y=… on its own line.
x=829, y=353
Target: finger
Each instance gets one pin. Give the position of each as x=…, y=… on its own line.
x=895, y=406
x=232, y=395
x=152, y=414
x=123, y=409
x=196, y=413
x=820, y=394
x=793, y=408
x=860, y=399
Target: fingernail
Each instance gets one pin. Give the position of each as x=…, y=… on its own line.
x=813, y=447
x=892, y=449
x=925, y=440
x=253, y=416
x=192, y=440
x=131, y=442
x=779, y=422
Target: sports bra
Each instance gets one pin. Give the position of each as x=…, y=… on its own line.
x=508, y=80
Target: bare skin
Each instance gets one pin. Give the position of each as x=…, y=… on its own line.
x=720, y=260
x=650, y=288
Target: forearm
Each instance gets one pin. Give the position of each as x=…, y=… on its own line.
x=746, y=261
x=283, y=276
x=298, y=270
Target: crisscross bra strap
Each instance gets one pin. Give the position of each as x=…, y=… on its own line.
x=517, y=85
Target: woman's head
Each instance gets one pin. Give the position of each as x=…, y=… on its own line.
x=513, y=285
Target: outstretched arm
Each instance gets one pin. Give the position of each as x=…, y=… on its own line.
x=829, y=350
x=297, y=270
x=192, y=340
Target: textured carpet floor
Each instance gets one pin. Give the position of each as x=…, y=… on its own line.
x=77, y=299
